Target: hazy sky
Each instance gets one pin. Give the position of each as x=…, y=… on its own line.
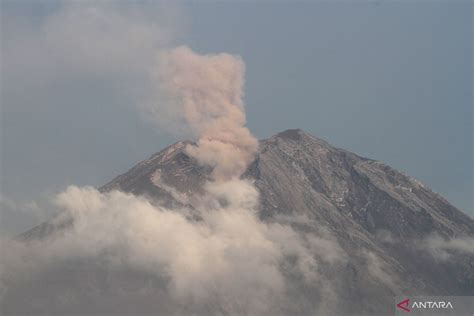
x=388, y=80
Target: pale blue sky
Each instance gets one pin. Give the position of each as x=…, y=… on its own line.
x=388, y=80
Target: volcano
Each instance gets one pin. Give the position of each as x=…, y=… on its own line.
x=398, y=236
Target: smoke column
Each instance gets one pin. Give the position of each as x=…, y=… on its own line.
x=208, y=91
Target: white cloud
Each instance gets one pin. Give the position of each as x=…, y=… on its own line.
x=443, y=249
x=229, y=258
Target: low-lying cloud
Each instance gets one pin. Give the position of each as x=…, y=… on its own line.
x=228, y=258
x=443, y=249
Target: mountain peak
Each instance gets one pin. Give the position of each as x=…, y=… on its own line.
x=294, y=134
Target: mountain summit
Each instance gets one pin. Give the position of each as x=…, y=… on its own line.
x=396, y=236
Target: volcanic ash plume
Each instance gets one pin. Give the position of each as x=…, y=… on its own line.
x=207, y=93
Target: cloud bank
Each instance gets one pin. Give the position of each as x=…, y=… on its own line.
x=228, y=260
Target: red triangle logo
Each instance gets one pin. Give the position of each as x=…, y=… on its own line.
x=404, y=305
